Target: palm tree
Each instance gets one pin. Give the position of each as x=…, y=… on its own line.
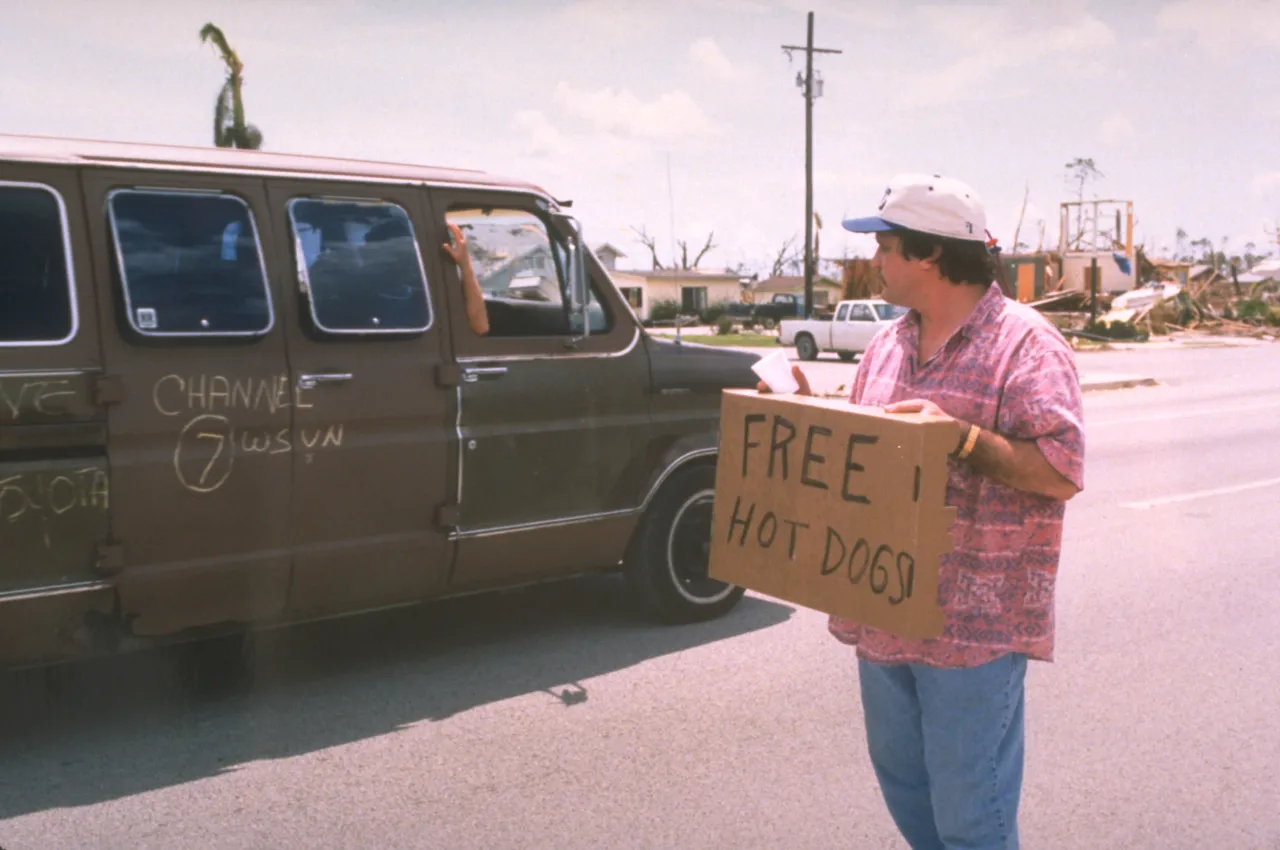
x=229, y=129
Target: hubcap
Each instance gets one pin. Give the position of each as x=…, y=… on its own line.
x=689, y=551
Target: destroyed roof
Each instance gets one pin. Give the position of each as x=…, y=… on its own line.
x=1269, y=267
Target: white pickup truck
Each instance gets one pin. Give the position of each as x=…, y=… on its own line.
x=847, y=333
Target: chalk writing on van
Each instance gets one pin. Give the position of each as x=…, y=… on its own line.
x=39, y=496
x=209, y=444
x=209, y=441
x=174, y=395
x=25, y=397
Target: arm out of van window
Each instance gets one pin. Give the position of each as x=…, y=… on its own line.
x=473, y=296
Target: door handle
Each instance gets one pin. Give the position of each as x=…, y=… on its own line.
x=483, y=373
x=311, y=380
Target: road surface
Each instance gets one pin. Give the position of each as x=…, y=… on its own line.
x=553, y=718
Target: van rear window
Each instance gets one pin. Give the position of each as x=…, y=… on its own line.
x=361, y=265
x=190, y=264
x=37, y=305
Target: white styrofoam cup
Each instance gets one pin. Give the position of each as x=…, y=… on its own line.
x=775, y=371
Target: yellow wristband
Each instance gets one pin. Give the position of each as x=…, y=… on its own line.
x=970, y=442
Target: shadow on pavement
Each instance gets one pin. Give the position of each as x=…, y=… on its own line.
x=103, y=730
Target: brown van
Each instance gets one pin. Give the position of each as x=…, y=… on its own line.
x=238, y=388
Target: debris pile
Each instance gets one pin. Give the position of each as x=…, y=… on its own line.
x=1243, y=304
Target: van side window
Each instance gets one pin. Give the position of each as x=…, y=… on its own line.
x=189, y=264
x=37, y=304
x=522, y=272
x=360, y=265
x=842, y=313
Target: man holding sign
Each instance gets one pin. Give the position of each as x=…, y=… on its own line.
x=944, y=716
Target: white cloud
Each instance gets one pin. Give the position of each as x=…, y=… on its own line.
x=708, y=56
x=1024, y=33
x=754, y=7
x=1116, y=128
x=545, y=140
x=673, y=114
x=1222, y=28
x=864, y=183
x=611, y=21
x=1266, y=183
x=1089, y=69
x=865, y=13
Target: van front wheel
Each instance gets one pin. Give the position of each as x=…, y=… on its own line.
x=667, y=563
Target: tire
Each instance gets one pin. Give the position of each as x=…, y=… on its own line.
x=769, y=323
x=847, y=356
x=666, y=565
x=806, y=348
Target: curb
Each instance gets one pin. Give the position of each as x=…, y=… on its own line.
x=1117, y=384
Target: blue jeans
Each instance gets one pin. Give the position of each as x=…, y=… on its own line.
x=947, y=746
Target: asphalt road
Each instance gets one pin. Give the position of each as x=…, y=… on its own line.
x=553, y=718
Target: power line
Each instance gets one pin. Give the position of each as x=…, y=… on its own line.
x=806, y=83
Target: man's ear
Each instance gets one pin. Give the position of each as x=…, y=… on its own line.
x=932, y=259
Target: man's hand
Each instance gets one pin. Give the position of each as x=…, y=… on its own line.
x=798, y=374
x=457, y=250
x=930, y=410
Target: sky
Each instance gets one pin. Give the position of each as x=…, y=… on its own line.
x=683, y=118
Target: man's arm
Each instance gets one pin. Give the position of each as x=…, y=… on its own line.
x=1018, y=463
x=1038, y=444
x=472, y=294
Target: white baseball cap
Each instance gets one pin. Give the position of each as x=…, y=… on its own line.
x=929, y=203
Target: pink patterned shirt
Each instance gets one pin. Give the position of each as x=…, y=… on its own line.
x=1008, y=370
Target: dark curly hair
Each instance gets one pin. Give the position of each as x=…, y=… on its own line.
x=961, y=261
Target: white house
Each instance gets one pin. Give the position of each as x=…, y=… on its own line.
x=691, y=289
x=826, y=292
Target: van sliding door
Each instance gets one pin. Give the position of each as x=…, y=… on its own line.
x=371, y=451
x=200, y=469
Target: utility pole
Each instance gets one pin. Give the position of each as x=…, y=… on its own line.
x=805, y=83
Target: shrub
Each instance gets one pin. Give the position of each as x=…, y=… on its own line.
x=724, y=325
x=1162, y=315
x=710, y=315
x=1112, y=330
x=1255, y=309
x=664, y=311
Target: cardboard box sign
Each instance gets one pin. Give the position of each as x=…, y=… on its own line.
x=834, y=507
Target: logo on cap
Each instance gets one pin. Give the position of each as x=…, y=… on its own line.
x=884, y=199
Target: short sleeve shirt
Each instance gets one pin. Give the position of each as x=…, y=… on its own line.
x=1010, y=371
